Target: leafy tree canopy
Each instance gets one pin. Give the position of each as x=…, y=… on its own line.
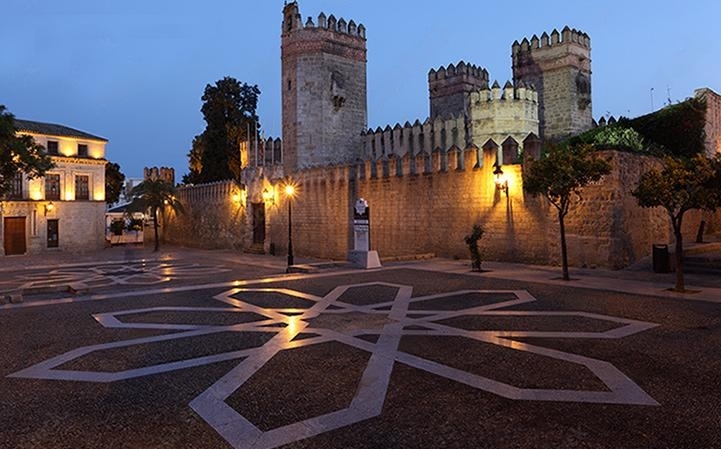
x=562, y=172
x=619, y=137
x=229, y=110
x=677, y=130
x=560, y=175
x=18, y=154
x=683, y=184
x=154, y=195
x=114, y=180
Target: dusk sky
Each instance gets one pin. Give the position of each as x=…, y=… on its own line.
x=133, y=71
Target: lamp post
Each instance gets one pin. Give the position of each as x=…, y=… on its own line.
x=290, y=192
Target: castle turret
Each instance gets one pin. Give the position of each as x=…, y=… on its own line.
x=323, y=89
x=450, y=87
x=505, y=116
x=559, y=68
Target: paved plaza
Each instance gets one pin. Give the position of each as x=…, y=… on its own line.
x=199, y=349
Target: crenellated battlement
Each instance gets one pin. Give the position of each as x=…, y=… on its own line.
x=166, y=174
x=293, y=22
x=509, y=93
x=565, y=37
x=411, y=139
x=461, y=69
x=450, y=86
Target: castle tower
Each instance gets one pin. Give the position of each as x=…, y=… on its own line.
x=450, y=88
x=323, y=90
x=559, y=68
x=500, y=114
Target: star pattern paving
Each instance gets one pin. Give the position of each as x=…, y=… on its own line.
x=131, y=273
x=288, y=319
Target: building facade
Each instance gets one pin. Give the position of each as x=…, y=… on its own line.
x=65, y=209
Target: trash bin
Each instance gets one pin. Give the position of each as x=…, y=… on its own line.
x=661, y=262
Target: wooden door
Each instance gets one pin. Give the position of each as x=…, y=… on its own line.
x=14, y=235
x=258, y=223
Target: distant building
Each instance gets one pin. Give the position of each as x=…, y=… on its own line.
x=120, y=212
x=65, y=209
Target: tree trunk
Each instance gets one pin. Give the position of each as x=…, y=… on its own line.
x=680, y=284
x=564, y=252
x=155, y=229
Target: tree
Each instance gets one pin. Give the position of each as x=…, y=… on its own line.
x=682, y=185
x=114, y=180
x=154, y=194
x=560, y=175
x=18, y=154
x=229, y=110
x=195, y=158
x=472, y=241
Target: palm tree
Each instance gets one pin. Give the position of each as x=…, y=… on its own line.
x=154, y=194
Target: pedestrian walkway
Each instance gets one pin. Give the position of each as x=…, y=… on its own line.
x=638, y=279
x=647, y=283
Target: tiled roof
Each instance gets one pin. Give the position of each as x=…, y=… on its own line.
x=53, y=130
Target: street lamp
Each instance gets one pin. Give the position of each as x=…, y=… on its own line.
x=501, y=180
x=290, y=192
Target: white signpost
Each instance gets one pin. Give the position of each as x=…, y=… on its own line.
x=362, y=256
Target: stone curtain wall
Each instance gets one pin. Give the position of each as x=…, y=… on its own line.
x=431, y=211
x=321, y=214
x=608, y=228
x=211, y=220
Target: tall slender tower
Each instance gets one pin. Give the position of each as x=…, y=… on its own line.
x=559, y=68
x=323, y=90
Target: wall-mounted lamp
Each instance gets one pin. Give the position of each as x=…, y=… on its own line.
x=49, y=208
x=500, y=179
x=269, y=196
x=239, y=197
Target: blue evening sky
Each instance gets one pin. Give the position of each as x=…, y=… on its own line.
x=133, y=71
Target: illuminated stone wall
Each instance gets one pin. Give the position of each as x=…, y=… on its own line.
x=430, y=212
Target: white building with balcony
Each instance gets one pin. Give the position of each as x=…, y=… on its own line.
x=65, y=209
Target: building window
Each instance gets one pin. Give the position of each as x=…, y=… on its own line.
x=82, y=150
x=17, y=188
x=82, y=191
x=34, y=223
x=52, y=147
x=53, y=234
x=52, y=187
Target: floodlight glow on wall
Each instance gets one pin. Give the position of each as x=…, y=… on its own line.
x=239, y=197
x=269, y=196
x=500, y=179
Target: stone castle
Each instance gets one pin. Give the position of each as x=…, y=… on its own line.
x=427, y=182
x=324, y=96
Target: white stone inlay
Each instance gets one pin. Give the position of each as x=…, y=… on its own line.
x=371, y=392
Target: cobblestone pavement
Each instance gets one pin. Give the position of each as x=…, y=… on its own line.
x=231, y=352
